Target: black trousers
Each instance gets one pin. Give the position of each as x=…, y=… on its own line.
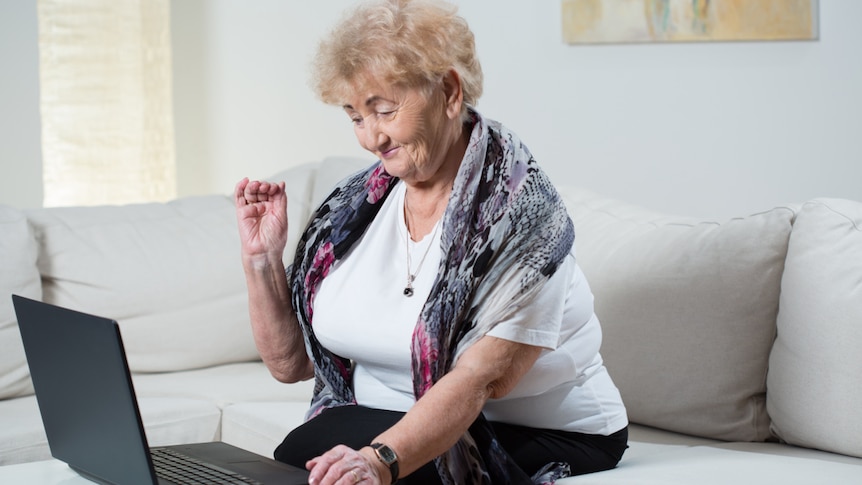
x=531, y=448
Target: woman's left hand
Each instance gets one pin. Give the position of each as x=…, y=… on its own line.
x=343, y=465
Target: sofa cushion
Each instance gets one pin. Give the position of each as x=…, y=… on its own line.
x=306, y=186
x=177, y=421
x=333, y=170
x=687, y=309
x=224, y=385
x=707, y=465
x=260, y=426
x=298, y=184
x=167, y=421
x=816, y=363
x=23, y=437
x=18, y=275
x=170, y=274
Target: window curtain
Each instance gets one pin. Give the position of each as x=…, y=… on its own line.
x=107, y=118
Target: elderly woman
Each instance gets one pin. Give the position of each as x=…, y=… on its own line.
x=434, y=296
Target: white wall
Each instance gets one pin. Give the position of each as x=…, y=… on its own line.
x=708, y=129
x=717, y=129
x=20, y=128
x=713, y=130
x=242, y=105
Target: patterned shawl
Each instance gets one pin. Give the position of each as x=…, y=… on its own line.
x=505, y=231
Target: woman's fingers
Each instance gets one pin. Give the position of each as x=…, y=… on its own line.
x=239, y=192
x=340, y=466
x=258, y=191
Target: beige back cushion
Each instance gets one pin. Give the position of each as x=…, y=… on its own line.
x=298, y=185
x=18, y=275
x=306, y=186
x=170, y=274
x=333, y=170
x=687, y=309
x=815, y=376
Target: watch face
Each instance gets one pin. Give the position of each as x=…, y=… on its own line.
x=387, y=454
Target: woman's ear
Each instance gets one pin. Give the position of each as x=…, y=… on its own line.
x=453, y=92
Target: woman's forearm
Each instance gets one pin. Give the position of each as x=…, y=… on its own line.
x=435, y=423
x=274, y=325
x=490, y=369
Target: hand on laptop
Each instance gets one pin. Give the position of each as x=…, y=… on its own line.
x=343, y=464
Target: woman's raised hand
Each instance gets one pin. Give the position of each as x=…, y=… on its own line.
x=261, y=212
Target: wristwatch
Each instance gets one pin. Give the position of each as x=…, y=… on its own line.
x=388, y=458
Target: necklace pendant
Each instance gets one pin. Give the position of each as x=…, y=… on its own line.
x=408, y=290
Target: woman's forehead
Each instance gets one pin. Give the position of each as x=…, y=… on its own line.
x=369, y=91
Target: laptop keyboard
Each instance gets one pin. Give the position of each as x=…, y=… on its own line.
x=183, y=469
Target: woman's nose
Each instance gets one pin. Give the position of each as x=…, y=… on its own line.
x=374, y=137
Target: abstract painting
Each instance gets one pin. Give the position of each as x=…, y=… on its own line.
x=636, y=21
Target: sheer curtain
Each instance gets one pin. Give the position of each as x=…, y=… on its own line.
x=107, y=120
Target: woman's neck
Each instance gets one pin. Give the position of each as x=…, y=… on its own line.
x=422, y=213
x=425, y=202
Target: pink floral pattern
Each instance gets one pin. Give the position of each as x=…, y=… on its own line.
x=320, y=265
x=377, y=184
x=425, y=356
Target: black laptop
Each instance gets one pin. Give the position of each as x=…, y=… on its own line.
x=90, y=413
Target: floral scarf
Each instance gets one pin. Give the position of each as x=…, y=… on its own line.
x=505, y=231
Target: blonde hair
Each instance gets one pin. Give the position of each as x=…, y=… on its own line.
x=409, y=43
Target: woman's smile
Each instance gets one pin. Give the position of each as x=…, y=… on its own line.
x=389, y=153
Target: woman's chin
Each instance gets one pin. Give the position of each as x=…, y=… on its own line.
x=396, y=168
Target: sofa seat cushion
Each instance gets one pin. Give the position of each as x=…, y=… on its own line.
x=687, y=309
x=23, y=437
x=816, y=363
x=170, y=274
x=707, y=465
x=224, y=385
x=166, y=421
x=18, y=275
x=261, y=426
x=789, y=451
x=176, y=420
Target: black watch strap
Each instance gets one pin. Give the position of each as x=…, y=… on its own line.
x=388, y=458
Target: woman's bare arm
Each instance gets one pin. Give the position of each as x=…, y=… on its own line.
x=261, y=209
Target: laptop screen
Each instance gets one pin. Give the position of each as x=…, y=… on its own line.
x=85, y=392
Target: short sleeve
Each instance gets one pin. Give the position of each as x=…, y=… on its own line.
x=538, y=323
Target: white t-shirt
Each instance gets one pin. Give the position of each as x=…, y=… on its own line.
x=361, y=313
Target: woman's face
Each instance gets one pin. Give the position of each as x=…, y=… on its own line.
x=410, y=132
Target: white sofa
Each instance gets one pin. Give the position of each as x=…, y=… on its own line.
x=700, y=319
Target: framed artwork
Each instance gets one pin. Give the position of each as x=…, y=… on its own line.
x=639, y=21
